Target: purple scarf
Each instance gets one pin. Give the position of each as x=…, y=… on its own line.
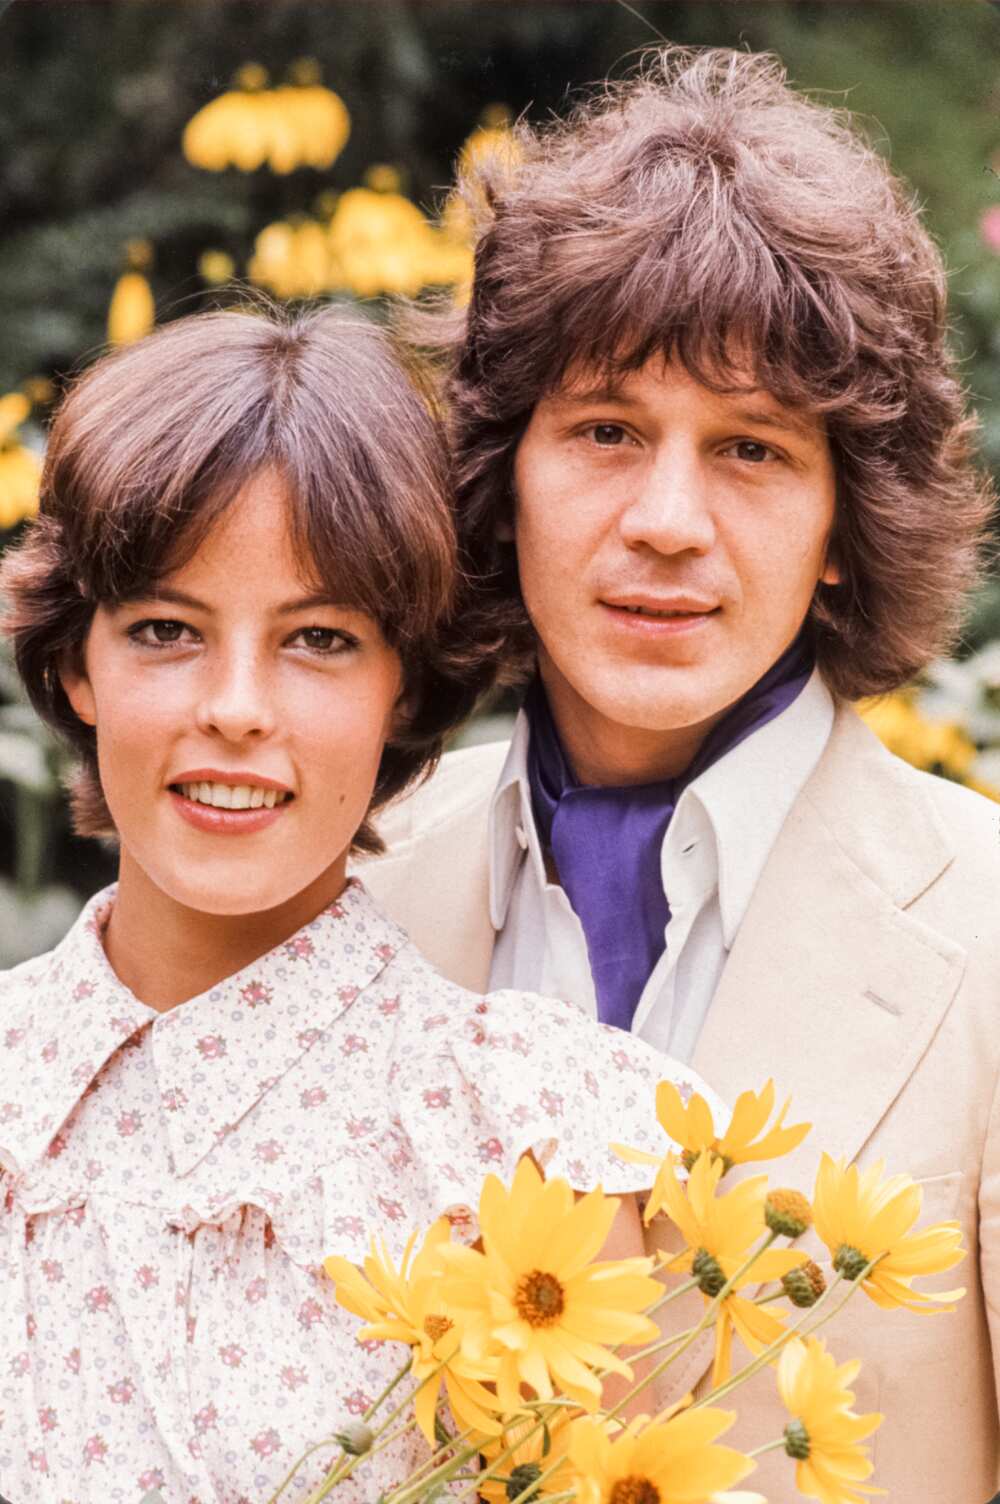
x=607, y=841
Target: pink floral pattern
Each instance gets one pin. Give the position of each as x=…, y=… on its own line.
x=170, y=1183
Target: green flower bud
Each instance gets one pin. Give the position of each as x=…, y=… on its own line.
x=849, y=1261
x=708, y=1272
x=355, y=1437
x=804, y=1285
x=520, y=1479
x=797, y=1441
x=787, y=1213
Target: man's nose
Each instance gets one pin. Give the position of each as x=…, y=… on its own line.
x=670, y=506
x=237, y=700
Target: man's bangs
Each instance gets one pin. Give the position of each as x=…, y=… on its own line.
x=733, y=321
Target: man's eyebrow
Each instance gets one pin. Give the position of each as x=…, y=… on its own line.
x=786, y=420
x=579, y=396
x=171, y=597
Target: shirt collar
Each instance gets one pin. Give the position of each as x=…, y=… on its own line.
x=511, y=825
x=215, y=1055
x=764, y=773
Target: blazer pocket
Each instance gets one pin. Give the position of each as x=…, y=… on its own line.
x=942, y=1197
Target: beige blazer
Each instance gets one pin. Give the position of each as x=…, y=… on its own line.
x=865, y=979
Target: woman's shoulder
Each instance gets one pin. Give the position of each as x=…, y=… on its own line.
x=21, y=982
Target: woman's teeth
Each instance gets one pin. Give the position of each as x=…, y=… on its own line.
x=229, y=796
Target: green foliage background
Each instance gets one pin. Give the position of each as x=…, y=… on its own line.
x=94, y=96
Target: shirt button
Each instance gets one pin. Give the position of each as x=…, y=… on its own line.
x=522, y=837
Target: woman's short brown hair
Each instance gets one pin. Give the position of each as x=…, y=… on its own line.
x=703, y=211
x=154, y=442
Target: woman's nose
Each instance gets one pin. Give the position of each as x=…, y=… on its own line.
x=237, y=702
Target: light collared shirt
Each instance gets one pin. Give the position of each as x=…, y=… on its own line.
x=716, y=845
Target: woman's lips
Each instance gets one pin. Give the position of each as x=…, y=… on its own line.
x=226, y=822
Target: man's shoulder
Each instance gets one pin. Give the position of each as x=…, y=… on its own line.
x=460, y=788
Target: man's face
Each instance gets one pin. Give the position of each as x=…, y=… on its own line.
x=669, y=542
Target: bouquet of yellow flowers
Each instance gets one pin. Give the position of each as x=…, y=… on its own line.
x=514, y=1371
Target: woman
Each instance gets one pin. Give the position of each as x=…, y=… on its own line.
x=237, y=606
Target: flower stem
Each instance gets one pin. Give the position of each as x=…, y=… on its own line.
x=347, y=1463
x=706, y=1321
x=802, y=1324
x=769, y=1446
x=413, y=1490
x=387, y=1390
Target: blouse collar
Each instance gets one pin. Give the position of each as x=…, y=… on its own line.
x=215, y=1055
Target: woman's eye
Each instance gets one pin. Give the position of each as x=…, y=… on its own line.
x=327, y=641
x=157, y=634
x=751, y=451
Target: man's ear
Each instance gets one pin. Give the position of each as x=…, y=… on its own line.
x=77, y=688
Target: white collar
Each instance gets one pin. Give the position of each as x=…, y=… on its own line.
x=764, y=775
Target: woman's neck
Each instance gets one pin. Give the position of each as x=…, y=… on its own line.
x=165, y=952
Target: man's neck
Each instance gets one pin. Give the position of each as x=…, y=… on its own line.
x=166, y=952
x=608, y=755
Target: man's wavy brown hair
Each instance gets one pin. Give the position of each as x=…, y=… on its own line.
x=704, y=212
x=156, y=440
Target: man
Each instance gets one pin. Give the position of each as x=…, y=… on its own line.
x=713, y=475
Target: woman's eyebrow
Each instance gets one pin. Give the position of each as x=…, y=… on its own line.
x=170, y=596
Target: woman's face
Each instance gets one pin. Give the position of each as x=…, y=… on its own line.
x=240, y=720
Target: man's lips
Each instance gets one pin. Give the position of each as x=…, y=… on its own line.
x=660, y=606
x=655, y=616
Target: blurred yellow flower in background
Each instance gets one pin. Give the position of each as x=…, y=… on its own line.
x=673, y=1460
x=292, y=260
x=20, y=467
x=216, y=267
x=408, y=1305
x=860, y=1216
x=132, y=311
x=824, y=1434
x=535, y=1296
x=319, y=117
x=937, y=746
x=251, y=126
x=721, y=1232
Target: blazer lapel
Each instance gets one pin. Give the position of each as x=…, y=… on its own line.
x=832, y=988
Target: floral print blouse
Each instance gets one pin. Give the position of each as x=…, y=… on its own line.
x=171, y=1182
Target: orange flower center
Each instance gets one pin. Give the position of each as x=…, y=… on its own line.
x=437, y=1326
x=539, y=1298
x=634, y=1490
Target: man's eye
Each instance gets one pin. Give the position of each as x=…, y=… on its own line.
x=325, y=640
x=607, y=435
x=157, y=633
x=751, y=451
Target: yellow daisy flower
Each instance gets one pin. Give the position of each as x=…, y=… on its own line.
x=720, y=1233
x=666, y=1461
x=692, y=1127
x=407, y=1305
x=860, y=1216
x=540, y=1450
x=535, y=1297
x=824, y=1434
